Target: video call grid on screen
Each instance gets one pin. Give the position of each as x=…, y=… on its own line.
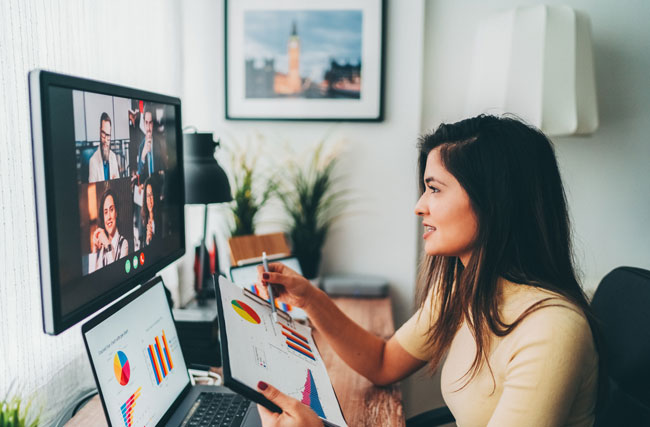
x=122, y=159
x=115, y=200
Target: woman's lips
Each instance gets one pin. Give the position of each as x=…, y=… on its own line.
x=428, y=230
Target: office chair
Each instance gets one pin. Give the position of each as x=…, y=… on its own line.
x=622, y=306
x=434, y=417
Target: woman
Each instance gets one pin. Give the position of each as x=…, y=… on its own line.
x=107, y=240
x=148, y=214
x=497, y=290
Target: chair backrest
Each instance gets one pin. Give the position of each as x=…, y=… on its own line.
x=622, y=305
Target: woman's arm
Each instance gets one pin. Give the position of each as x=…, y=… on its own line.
x=382, y=362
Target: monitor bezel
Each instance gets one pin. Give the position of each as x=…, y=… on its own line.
x=54, y=322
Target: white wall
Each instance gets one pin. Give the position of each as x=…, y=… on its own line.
x=63, y=36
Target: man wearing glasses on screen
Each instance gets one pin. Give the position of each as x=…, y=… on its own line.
x=103, y=164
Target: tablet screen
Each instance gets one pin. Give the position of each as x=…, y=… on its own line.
x=283, y=354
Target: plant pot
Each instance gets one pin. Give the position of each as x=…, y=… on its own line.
x=309, y=262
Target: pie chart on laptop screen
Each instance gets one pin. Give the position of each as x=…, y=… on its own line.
x=122, y=368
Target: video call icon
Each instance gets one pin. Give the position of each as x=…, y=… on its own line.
x=127, y=266
x=135, y=262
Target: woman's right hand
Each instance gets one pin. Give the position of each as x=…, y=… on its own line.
x=288, y=286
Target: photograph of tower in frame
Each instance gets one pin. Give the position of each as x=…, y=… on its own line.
x=303, y=53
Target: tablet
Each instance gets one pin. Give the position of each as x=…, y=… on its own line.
x=246, y=276
x=254, y=348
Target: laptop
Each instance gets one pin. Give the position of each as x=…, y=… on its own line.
x=141, y=374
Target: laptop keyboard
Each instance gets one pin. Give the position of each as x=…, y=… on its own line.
x=217, y=409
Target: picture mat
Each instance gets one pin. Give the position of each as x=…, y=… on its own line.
x=258, y=352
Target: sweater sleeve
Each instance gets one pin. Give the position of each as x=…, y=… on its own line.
x=550, y=355
x=412, y=335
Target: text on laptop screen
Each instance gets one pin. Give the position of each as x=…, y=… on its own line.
x=138, y=361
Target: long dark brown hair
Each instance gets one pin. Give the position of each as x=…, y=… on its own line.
x=144, y=211
x=511, y=176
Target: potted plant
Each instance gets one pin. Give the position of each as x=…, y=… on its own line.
x=313, y=203
x=248, y=198
x=16, y=412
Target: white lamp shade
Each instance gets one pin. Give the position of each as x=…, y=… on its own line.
x=537, y=63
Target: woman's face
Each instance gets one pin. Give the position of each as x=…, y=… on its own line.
x=149, y=193
x=110, y=216
x=450, y=224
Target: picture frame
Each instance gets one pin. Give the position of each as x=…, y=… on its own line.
x=297, y=60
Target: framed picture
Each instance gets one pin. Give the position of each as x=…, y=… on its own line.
x=304, y=59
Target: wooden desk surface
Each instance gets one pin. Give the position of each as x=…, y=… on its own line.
x=362, y=403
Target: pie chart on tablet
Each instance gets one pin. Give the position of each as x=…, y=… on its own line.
x=122, y=368
x=246, y=312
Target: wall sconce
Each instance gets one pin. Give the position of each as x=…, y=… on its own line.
x=536, y=62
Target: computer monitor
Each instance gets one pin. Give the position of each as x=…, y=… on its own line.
x=109, y=191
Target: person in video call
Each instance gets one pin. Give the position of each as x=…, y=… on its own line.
x=497, y=290
x=149, y=213
x=150, y=154
x=103, y=164
x=108, y=243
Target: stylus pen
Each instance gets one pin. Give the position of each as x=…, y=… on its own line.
x=274, y=311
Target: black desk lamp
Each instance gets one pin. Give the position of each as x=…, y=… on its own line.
x=205, y=183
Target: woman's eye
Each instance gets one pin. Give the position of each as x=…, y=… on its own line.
x=434, y=189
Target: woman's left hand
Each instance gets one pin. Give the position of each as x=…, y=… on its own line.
x=294, y=413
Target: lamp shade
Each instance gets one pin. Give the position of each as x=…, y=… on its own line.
x=205, y=181
x=537, y=63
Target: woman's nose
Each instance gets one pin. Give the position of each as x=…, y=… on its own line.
x=420, y=208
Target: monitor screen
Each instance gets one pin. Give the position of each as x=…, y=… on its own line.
x=109, y=191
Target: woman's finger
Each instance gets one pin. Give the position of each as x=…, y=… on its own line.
x=276, y=396
x=279, y=279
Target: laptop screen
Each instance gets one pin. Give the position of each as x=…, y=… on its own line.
x=137, y=360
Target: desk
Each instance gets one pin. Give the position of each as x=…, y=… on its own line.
x=362, y=403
